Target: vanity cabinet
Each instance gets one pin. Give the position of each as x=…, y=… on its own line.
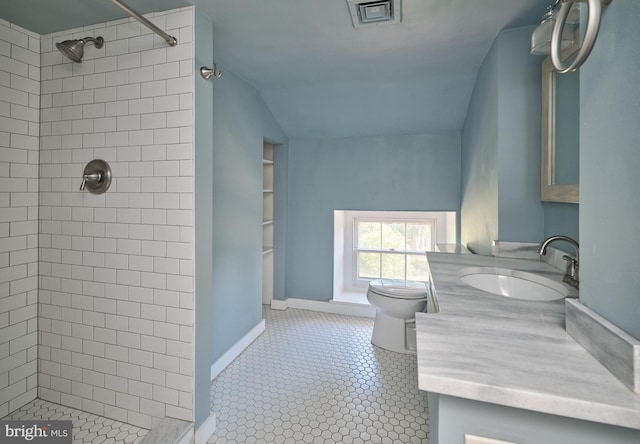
x=505, y=369
x=451, y=418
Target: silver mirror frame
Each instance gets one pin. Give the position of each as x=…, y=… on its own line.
x=550, y=191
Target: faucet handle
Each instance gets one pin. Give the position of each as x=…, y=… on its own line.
x=571, y=275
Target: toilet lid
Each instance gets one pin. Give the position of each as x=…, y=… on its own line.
x=399, y=288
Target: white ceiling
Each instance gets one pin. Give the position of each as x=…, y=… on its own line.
x=319, y=75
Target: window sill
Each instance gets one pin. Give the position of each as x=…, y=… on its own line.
x=352, y=297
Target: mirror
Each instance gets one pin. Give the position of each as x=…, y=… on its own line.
x=560, y=133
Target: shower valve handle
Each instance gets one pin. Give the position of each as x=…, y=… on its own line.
x=95, y=177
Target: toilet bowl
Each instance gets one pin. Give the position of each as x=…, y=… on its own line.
x=396, y=302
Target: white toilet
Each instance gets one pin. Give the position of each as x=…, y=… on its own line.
x=396, y=302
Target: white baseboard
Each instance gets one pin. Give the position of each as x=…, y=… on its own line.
x=277, y=304
x=237, y=348
x=343, y=308
x=206, y=430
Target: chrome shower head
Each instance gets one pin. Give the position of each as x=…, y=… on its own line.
x=74, y=49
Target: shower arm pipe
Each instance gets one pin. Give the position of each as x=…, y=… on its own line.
x=172, y=41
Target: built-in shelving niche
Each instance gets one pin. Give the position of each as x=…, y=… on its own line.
x=267, y=222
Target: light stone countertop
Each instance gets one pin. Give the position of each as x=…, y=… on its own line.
x=510, y=352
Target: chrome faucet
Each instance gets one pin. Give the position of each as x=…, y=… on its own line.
x=571, y=275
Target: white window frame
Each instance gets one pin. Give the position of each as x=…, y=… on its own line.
x=345, y=271
x=356, y=280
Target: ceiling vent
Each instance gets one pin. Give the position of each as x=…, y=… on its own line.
x=367, y=13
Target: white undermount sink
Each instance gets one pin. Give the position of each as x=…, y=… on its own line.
x=513, y=283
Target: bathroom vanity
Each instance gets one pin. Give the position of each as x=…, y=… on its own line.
x=506, y=369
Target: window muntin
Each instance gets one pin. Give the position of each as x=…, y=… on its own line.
x=392, y=249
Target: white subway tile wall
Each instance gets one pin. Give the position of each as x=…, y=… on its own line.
x=19, y=131
x=116, y=289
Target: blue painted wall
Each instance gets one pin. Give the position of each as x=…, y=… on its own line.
x=203, y=219
x=418, y=172
x=241, y=122
x=609, y=169
x=561, y=218
x=519, y=138
x=479, y=181
x=501, y=152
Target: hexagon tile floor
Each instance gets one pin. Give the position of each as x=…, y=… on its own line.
x=315, y=378
x=87, y=428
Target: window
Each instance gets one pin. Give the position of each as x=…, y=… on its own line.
x=385, y=244
x=392, y=249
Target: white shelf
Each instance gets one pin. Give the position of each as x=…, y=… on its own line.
x=267, y=191
x=267, y=222
x=267, y=250
x=267, y=162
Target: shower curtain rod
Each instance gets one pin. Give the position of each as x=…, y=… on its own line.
x=172, y=41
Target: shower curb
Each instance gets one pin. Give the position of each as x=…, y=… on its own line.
x=170, y=430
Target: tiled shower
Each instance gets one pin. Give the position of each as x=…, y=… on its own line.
x=97, y=302
x=19, y=154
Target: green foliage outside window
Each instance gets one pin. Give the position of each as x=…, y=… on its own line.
x=395, y=242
